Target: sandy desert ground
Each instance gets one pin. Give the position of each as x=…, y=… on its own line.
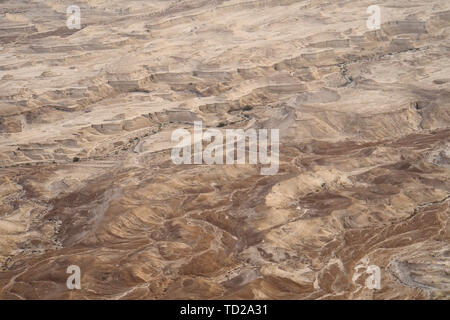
x=364, y=176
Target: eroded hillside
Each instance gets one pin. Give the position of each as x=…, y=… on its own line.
x=86, y=118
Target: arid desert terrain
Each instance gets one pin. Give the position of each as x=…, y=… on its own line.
x=87, y=179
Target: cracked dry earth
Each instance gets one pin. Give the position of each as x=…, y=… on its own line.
x=364, y=119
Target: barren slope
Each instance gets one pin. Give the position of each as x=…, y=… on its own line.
x=364, y=118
